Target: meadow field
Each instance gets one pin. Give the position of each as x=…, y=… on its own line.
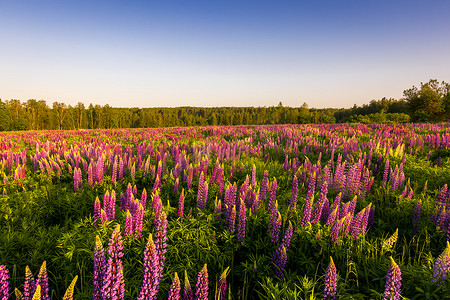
x=341, y=211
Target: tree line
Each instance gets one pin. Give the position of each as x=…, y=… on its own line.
x=428, y=103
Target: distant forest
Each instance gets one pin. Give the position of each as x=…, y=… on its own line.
x=428, y=103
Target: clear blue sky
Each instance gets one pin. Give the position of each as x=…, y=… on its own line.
x=220, y=53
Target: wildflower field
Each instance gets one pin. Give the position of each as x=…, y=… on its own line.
x=235, y=212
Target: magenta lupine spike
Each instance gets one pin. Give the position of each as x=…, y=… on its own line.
x=241, y=222
x=114, y=171
x=4, y=283
x=157, y=206
x=200, y=191
x=42, y=280
x=181, y=204
x=202, y=289
x=253, y=175
x=255, y=203
x=393, y=282
x=279, y=260
x=106, y=198
x=263, y=189
x=205, y=194
x=97, y=209
x=335, y=230
x=332, y=217
x=111, y=209
x=113, y=284
x=317, y=213
x=232, y=219
x=221, y=291
x=144, y=198
x=150, y=283
x=29, y=285
x=138, y=221
x=99, y=269
x=161, y=242
x=103, y=216
x=294, y=193
x=307, y=211
x=330, y=289
x=133, y=171
x=176, y=186
x=175, y=288
x=128, y=229
x=188, y=294
x=442, y=266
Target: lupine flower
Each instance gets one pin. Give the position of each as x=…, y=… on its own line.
x=37, y=293
x=293, y=199
x=29, y=285
x=263, y=189
x=97, y=209
x=232, y=219
x=275, y=229
x=241, y=224
x=150, y=284
x=103, y=216
x=393, y=282
x=273, y=195
x=42, y=280
x=385, y=174
x=317, y=213
x=68, y=295
x=175, y=287
x=286, y=240
x=217, y=208
x=201, y=290
x=188, y=294
x=279, y=260
x=128, y=230
x=113, y=284
x=161, y=244
x=99, y=269
x=221, y=291
x=442, y=266
x=330, y=289
x=416, y=216
x=138, y=221
x=181, y=205
x=4, y=283
x=309, y=200
x=335, y=230
x=176, y=185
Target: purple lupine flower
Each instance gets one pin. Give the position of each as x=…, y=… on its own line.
x=275, y=229
x=133, y=171
x=181, y=205
x=99, y=269
x=157, y=206
x=190, y=176
x=317, y=213
x=293, y=199
x=253, y=175
x=97, y=209
x=263, y=189
x=255, y=203
x=330, y=289
x=138, y=221
x=309, y=200
x=273, y=195
x=286, y=240
x=103, y=216
x=144, y=198
x=42, y=280
x=232, y=219
x=176, y=185
x=175, y=288
x=128, y=230
x=279, y=260
x=241, y=222
x=221, y=291
x=217, y=208
x=106, y=198
x=188, y=294
x=111, y=209
x=29, y=285
x=161, y=241
x=113, y=284
x=332, y=216
x=114, y=171
x=416, y=216
x=336, y=229
x=393, y=282
x=442, y=266
x=150, y=283
x=201, y=290
x=4, y=283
